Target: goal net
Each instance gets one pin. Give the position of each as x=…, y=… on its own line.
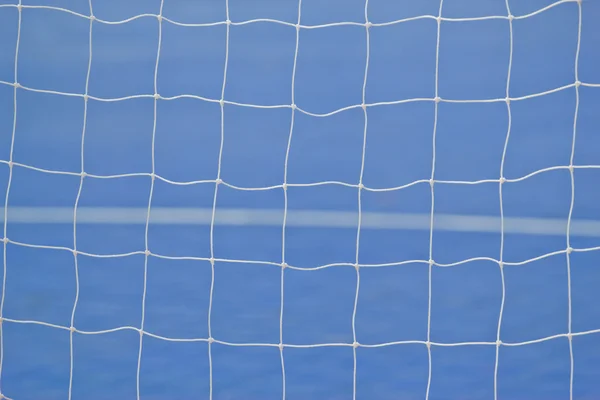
x=295, y=199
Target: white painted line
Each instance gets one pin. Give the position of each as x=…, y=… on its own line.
x=299, y=218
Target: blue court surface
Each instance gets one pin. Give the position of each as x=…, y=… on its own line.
x=120, y=306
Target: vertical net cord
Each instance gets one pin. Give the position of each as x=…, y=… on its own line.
x=431, y=184
x=355, y=342
x=285, y=200
x=214, y=205
x=83, y=174
x=10, y=175
x=572, y=175
x=153, y=179
x=501, y=198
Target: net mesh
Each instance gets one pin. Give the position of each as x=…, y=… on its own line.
x=360, y=187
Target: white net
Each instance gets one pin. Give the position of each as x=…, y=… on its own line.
x=299, y=248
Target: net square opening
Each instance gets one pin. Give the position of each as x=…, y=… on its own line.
x=588, y=120
x=399, y=144
x=537, y=300
x=9, y=20
x=49, y=131
x=188, y=138
x=35, y=361
x=585, y=278
x=546, y=39
x=111, y=359
x=466, y=302
x=115, y=10
x=180, y=218
x=246, y=372
x=590, y=34
x=36, y=197
x=81, y=7
x=462, y=372
x=466, y=222
x=525, y=361
x=327, y=149
x=261, y=59
x=318, y=305
x=2, y=255
x=177, y=298
x=395, y=225
x=584, y=231
x=246, y=302
x=254, y=145
x=470, y=141
x=63, y=50
x=118, y=137
x=481, y=69
x=321, y=225
x=392, y=304
x=586, y=350
x=112, y=215
x=536, y=211
x=193, y=12
x=381, y=11
x=408, y=47
x=473, y=9
x=40, y=284
x=110, y=292
x=7, y=113
x=248, y=224
x=541, y=134
x=281, y=10
x=192, y=60
x=173, y=369
x=316, y=12
x=319, y=373
x=124, y=58
x=4, y=176
x=404, y=376
x=525, y=8
x=330, y=68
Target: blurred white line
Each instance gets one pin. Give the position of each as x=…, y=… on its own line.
x=299, y=218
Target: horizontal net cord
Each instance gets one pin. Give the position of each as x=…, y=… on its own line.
x=290, y=345
x=287, y=23
x=438, y=99
x=12, y=164
x=286, y=265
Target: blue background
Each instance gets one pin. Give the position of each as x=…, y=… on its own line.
x=318, y=305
